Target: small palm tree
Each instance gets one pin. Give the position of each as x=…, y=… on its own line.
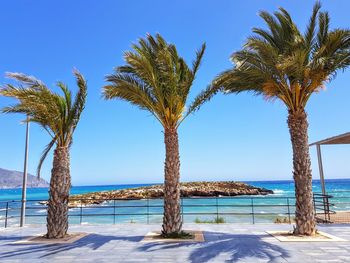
x=158, y=80
x=59, y=116
x=283, y=63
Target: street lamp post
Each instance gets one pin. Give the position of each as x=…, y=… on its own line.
x=24, y=186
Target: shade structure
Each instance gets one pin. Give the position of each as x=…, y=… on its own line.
x=339, y=139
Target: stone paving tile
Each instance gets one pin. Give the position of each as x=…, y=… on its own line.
x=224, y=243
x=329, y=260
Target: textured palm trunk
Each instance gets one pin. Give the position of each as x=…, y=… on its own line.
x=172, y=221
x=57, y=212
x=304, y=213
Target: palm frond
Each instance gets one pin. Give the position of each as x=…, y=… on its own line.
x=311, y=27
x=155, y=78
x=281, y=63
x=201, y=98
x=56, y=113
x=29, y=81
x=199, y=55
x=323, y=24
x=44, y=155
x=80, y=99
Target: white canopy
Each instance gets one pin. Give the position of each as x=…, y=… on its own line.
x=339, y=139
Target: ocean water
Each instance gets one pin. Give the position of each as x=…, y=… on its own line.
x=232, y=209
x=337, y=187
x=42, y=193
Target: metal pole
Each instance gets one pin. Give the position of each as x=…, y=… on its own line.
x=6, y=215
x=24, y=186
x=324, y=208
x=182, y=209
x=147, y=211
x=217, y=210
x=253, y=211
x=81, y=211
x=320, y=167
x=114, y=211
x=315, y=205
x=288, y=210
x=328, y=212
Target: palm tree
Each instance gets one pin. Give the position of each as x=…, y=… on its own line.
x=283, y=63
x=155, y=78
x=59, y=116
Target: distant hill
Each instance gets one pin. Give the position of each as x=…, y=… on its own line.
x=13, y=179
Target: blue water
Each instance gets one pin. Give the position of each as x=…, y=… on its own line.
x=232, y=209
x=336, y=187
x=42, y=193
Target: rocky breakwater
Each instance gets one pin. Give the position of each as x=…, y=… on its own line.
x=192, y=189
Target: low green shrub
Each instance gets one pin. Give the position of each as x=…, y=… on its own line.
x=216, y=220
x=283, y=220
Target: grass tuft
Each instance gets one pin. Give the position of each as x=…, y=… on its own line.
x=216, y=220
x=283, y=220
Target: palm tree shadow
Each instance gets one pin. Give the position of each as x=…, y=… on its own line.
x=236, y=247
x=12, y=238
x=91, y=241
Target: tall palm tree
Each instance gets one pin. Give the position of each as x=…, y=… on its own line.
x=59, y=116
x=283, y=63
x=155, y=78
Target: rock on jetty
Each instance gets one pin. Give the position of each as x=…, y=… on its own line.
x=193, y=189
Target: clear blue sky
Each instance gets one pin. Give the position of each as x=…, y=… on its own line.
x=230, y=138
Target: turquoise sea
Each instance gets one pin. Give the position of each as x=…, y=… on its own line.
x=249, y=209
x=338, y=187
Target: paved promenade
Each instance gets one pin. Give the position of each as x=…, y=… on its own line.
x=224, y=243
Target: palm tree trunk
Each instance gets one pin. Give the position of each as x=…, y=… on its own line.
x=172, y=221
x=57, y=212
x=304, y=213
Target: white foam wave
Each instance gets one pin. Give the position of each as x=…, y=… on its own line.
x=278, y=191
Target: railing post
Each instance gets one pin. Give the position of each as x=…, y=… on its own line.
x=81, y=212
x=114, y=211
x=314, y=199
x=6, y=213
x=327, y=208
x=288, y=210
x=253, y=211
x=217, y=210
x=147, y=211
x=182, y=209
x=324, y=207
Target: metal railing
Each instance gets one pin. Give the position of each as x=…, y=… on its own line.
x=333, y=208
x=323, y=207
x=264, y=209
x=5, y=210
x=208, y=209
